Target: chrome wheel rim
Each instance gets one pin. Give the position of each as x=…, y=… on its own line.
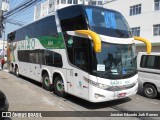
x=149, y=91
x=60, y=86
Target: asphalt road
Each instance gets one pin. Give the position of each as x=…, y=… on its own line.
x=26, y=95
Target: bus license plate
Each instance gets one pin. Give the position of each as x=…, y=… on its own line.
x=122, y=95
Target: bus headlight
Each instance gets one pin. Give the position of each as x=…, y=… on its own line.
x=95, y=84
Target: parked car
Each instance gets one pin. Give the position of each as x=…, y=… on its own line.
x=148, y=66
x=4, y=105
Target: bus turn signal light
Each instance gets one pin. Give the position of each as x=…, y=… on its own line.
x=147, y=42
x=95, y=37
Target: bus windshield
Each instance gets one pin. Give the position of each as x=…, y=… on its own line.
x=115, y=61
x=107, y=22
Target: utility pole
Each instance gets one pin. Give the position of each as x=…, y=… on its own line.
x=0, y=4
x=2, y=32
x=1, y=18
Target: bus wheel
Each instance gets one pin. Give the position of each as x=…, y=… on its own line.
x=59, y=87
x=46, y=82
x=17, y=71
x=150, y=91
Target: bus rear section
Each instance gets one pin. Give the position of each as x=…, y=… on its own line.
x=149, y=73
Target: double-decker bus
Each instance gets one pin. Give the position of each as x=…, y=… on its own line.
x=85, y=51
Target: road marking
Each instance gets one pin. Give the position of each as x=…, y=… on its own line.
x=147, y=101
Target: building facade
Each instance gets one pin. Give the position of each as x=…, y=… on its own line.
x=50, y=6
x=143, y=18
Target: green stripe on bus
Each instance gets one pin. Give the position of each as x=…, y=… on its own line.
x=51, y=42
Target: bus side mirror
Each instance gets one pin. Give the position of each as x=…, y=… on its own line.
x=95, y=37
x=147, y=42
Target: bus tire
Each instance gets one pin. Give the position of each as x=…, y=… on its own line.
x=59, y=86
x=46, y=82
x=17, y=71
x=150, y=91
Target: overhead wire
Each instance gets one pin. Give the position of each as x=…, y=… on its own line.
x=13, y=3
x=20, y=23
x=13, y=13
x=21, y=10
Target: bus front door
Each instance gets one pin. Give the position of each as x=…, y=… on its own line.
x=76, y=84
x=70, y=82
x=81, y=87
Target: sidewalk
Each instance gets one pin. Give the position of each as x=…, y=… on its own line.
x=25, y=96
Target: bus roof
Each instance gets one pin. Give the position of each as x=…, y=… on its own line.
x=83, y=6
x=64, y=9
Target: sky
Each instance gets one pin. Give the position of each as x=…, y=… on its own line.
x=25, y=17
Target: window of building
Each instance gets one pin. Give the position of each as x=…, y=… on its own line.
x=136, y=9
x=156, y=30
x=69, y=1
x=135, y=31
x=50, y=5
x=63, y=1
x=99, y=2
x=156, y=4
x=150, y=61
x=93, y=2
x=75, y=1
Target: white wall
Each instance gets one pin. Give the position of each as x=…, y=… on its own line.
x=145, y=20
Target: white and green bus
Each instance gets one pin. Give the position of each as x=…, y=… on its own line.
x=85, y=51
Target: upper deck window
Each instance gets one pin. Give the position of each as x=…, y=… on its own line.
x=106, y=19
x=72, y=18
x=100, y=20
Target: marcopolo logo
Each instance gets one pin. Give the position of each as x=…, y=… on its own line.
x=27, y=44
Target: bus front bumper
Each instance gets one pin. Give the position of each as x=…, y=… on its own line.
x=101, y=95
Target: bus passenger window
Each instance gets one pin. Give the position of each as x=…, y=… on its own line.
x=32, y=57
x=81, y=59
x=58, y=60
x=49, y=58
